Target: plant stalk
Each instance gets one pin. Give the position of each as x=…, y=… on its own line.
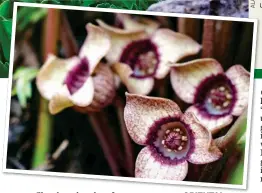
x=208, y=38
x=51, y=31
x=94, y=120
x=226, y=144
x=129, y=152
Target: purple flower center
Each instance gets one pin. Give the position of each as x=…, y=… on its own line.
x=142, y=57
x=175, y=139
x=220, y=97
x=76, y=77
x=171, y=140
x=216, y=95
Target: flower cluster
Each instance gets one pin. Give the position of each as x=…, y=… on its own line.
x=138, y=52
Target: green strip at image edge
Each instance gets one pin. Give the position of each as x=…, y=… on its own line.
x=258, y=74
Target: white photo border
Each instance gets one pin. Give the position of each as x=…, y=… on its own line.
x=131, y=179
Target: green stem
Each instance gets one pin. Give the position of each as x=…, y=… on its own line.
x=226, y=144
x=43, y=135
x=234, y=134
x=234, y=169
x=42, y=146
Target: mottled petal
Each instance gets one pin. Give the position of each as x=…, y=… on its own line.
x=147, y=166
x=60, y=100
x=172, y=46
x=141, y=112
x=134, y=85
x=187, y=77
x=141, y=23
x=119, y=40
x=96, y=46
x=241, y=80
x=84, y=96
x=52, y=74
x=212, y=123
x=204, y=151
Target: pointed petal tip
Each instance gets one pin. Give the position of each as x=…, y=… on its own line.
x=127, y=94
x=194, y=62
x=60, y=101
x=141, y=113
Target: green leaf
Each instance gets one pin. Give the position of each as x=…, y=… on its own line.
x=108, y=5
x=89, y=2
x=5, y=9
x=20, y=87
x=134, y=7
x=4, y=67
x=5, y=37
x=129, y=4
x=73, y=2
x=23, y=88
x=26, y=73
x=144, y=4
x=5, y=33
x=7, y=24
x=28, y=16
x=50, y=2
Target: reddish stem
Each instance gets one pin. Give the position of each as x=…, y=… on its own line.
x=67, y=37
x=126, y=139
x=208, y=38
x=94, y=120
x=111, y=138
x=51, y=32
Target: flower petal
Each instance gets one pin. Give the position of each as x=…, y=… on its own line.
x=111, y=29
x=119, y=40
x=52, y=74
x=147, y=166
x=141, y=112
x=172, y=46
x=96, y=45
x=84, y=96
x=204, y=151
x=134, y=85
x=60, y=100
x=212, y=123
x=240, y=79
x=142, y=23
x=186, y=77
